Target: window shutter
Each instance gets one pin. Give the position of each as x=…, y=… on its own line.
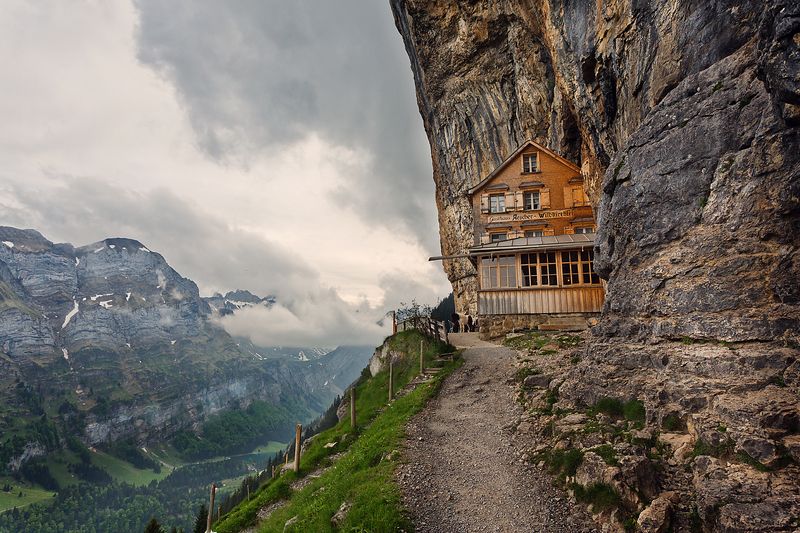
x=510, y=201
x=520, y=203
x=485, y=238
x=569, y=200
x=549, y=232
x=484, y=203
x=544, y=197
x=580, y=196
x=569, y=230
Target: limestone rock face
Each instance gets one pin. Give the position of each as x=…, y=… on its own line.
x=683, y=118
x=123, y=346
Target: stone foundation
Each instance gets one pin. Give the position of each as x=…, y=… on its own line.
x=493, y=326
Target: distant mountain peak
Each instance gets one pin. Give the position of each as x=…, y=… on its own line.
x=236, y=300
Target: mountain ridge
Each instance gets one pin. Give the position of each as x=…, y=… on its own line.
x=116, y=345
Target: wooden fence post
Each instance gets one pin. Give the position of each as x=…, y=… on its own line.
x=248, y=486
x=211, y=507
x=219, y=511
x=421, y=361
x=391, y=377
x=298, y=430
x=353, y=407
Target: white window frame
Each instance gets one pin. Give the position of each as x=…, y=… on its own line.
x=496, y=237
x=535, y=198
x=526, y=166
x=497, y=203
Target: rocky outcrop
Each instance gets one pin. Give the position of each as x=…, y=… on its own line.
x=683, y=119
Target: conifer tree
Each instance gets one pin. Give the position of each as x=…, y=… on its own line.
x=200, y=521
x=153, y=527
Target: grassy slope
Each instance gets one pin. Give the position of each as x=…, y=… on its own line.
x=363, y=476
x=30, y=494
x=124, y=471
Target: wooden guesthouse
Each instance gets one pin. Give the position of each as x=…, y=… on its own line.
x=533, y=248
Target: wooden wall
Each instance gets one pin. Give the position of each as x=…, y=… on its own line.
x=537, y=301
x=555, y=177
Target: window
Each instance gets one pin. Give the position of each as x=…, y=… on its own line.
x=547, y=266
x=534, y=233
x=530, y=162
x=508, y=271
x=498, y=272
x=497, y=237
x=584, y=229
x=531, y=201
x=587, y=267
x=570, y=269
x=489, y=273
x=530, y=276
x=497, y=203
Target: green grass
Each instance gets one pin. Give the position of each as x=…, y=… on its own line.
x=600, y=496
x=526, y=371
x=672, y=422
x=561, y=463
x=58, y=464
x=724, y=449
x=568, y=341
x=270, y=447
x=527, y=341
x=606, y=451
x=124, y=471
x=364, y=475
x=632, y=411
x=755, y=463
x=30, y=494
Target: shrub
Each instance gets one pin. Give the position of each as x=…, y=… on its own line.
x=563, y=463
x=526, y=371
x=601, y=496
x=609, y=406
x=606, y=451
x=634, y=411
x=672, y=423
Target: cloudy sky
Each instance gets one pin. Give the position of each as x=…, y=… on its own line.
x=260, y=144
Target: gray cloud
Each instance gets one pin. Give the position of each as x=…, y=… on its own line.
x=202, y=247
x=257, y=75
x=196, y=244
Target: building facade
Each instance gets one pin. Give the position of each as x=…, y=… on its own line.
x=533, y=247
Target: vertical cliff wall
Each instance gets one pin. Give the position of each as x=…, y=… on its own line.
x=684, y=119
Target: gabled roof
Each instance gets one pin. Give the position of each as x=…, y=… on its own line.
x=517, y=152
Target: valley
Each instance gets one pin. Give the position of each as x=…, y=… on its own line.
x=119, y=385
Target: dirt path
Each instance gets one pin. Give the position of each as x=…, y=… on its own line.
x=463, y=470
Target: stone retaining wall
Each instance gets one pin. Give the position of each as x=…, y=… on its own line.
x=493, y=326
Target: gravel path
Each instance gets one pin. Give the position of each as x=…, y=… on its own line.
x=463, y=470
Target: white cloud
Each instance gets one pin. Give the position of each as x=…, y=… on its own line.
x=96, y=144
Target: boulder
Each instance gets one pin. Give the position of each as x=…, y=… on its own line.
x=593, y=469
x=338, y=518
x=537, y=380
x=657, y=516
x=681, y=444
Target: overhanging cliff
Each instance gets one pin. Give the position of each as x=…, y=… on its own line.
x=683, y=118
